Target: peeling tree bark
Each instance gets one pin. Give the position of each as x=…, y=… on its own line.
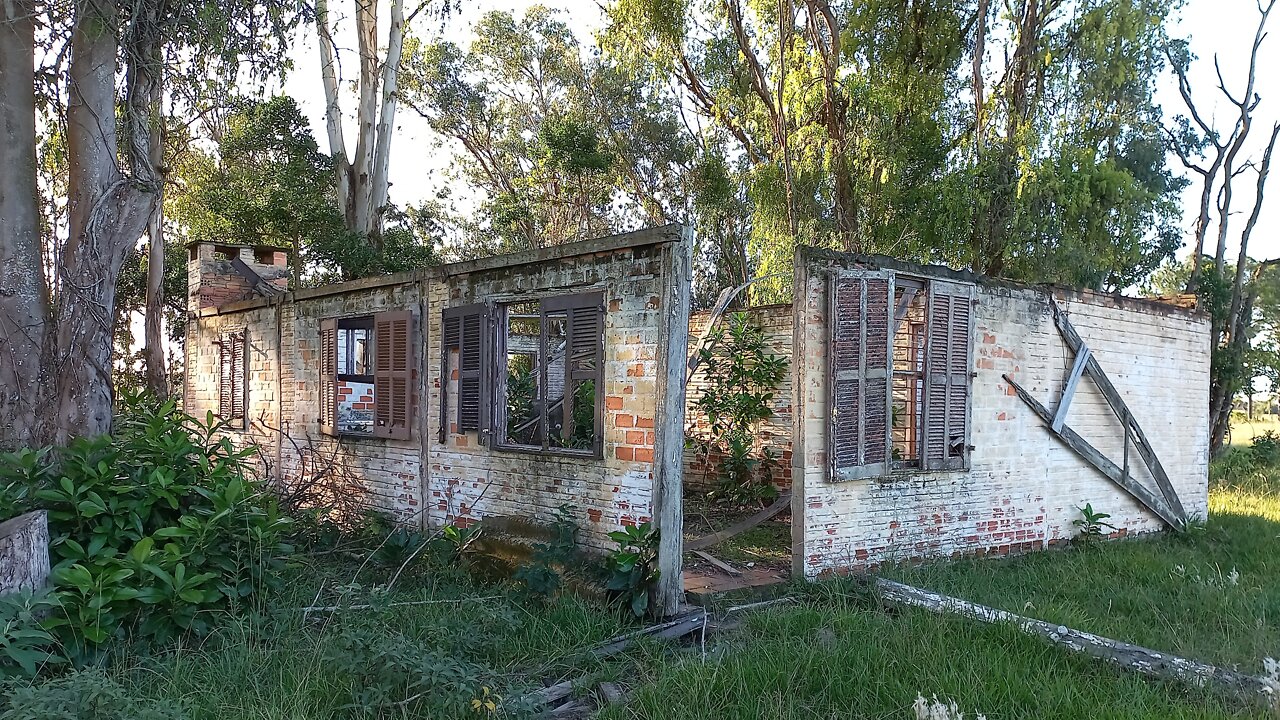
x=24, y=302
x=108, y=214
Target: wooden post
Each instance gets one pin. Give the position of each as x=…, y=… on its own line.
x=24, y=553
x=668, y=447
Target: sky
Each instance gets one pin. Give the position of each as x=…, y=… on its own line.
x=1221, y=28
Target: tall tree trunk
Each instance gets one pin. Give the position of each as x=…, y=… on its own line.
x=333, y=109
x=108, y=213
x=387, y=118
x=361, y=171
x=24, y=301
x=157, y=375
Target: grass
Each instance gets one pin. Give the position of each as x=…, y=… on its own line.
x=1212, y=594
x=832, y=653
x=837, y=656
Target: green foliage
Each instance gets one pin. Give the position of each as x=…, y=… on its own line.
x=153, y=529
x=1266, y=449
x=631, y=571
x=540, y=578
x=268, y=183
x=25, y=647
x=391, y=673
x=89, y=694
x=742, y=377
x=560, y=144
x=1092, y=525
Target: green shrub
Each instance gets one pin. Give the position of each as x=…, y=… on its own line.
x=539, y=579
x=742, y=377
x=80, y=695
x=152, y=529
x=632, y=569
x=1266, y=449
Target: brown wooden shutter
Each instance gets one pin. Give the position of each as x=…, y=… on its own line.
x=393, y=375
x=860, y=368
x=329, y=376
x=948, y=375
x=585, y=352
x=465, y=328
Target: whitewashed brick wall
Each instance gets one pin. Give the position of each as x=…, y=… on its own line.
x=421, y=480
x=1024, y=487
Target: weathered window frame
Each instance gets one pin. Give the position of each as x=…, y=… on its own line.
x=871, y=315
x=584, y=323
x=394, y=376
x=233, y=378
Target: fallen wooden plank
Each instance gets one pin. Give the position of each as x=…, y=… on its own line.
x=719, y=564
x=678, y=627
x=762, y=603
x=550, y=694
x=1130, y=657
x=1095, y=458
x=702, y=543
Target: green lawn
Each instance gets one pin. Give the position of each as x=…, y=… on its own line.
x=1212, y=594
x=832, y=653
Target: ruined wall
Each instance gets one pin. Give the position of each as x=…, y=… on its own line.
x=461, y=480
x=284, y=390
x=1024, y=487
x=469, y=481
x=774, y=433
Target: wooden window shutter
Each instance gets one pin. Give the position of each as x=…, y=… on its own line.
x=948, y=376
x=329, y=376
x=232, y=378
x=860, y=359
x=584, y=315
x=464, y=328
x=393, y=375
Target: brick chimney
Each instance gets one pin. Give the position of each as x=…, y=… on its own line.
x=220, y=274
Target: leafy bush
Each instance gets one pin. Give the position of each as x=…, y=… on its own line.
x=25, y=647
x=742, y=377
x=1266, y=449
x=81, y=695
x=151, y=528
x=632, y=569
x=1092, y=524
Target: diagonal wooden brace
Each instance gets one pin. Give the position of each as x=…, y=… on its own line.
x=1095, y=458
x=1118, y=406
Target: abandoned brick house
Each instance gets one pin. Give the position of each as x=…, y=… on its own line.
x=919, y=419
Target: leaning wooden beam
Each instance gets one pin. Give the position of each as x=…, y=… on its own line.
x=1069, y=391
x=722, y=303
x=1130, y=657
x=1145, y=451
x=1097, y=459
x=783, y=502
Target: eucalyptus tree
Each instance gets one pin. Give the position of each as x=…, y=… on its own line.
x=101, y=73
x=559, y=144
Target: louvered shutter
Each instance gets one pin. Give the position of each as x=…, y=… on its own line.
x=239, y=375
x=465, y=330
x=584, y=314
x=860, y=368
x=329, y=376
x=948, y=375
x=393, y=375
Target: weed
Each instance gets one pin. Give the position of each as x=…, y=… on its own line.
x=540, y=578
x=1092, y=524
x=632, y=569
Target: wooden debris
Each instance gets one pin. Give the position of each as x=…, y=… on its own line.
x=551, y=694
x=762, y=603
x=1129, y=657
x=612, y=693
x=669, y=630
x=783, y=502
x=720, y=565
x=335, y=608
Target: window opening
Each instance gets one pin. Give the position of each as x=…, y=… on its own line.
x=908, y=374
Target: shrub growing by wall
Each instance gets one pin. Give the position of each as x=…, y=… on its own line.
x=153, y=529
